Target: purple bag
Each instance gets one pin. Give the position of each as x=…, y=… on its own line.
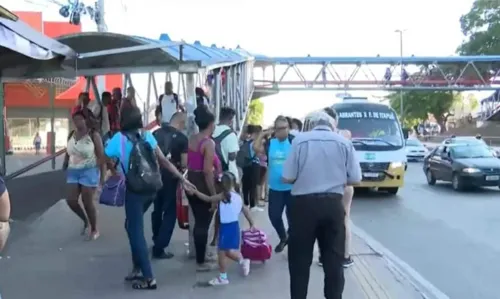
x=113, y=191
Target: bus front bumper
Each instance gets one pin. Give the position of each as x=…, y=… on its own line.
x=393, y=177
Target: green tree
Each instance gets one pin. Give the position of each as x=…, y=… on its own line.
x=481, y=27
x=255, y=112
x=418, y=105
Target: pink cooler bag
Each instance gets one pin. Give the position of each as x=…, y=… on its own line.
x=254, y=245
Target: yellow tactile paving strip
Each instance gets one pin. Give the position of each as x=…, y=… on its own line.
x=366, y=280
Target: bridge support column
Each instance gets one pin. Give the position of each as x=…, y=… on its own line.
x=52, y=99
x=217, y=93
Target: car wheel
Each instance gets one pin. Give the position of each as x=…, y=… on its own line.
x=456, y=182
x=431, y=180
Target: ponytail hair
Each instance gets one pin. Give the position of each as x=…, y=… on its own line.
x=228, y=181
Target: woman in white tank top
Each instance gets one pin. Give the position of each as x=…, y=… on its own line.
x=85, y=168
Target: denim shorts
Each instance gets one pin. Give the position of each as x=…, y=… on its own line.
x=87, y=177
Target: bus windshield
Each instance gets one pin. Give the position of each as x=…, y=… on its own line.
x=377, y=126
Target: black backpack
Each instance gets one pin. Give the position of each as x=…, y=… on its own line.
x=218, y=149
x=143, y=175
x=244, y=157
x=268, y=143
x=164, y=138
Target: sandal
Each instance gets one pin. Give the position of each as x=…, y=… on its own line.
x=145, y=284
x=133, y=276
x=93, y=236
x=84, y=229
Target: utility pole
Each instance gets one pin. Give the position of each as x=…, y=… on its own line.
x=101, y=25
x=401, y=97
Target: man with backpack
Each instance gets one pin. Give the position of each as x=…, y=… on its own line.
x=174, y=145
x=226, y=142
x=276, y=145
x=169, y=102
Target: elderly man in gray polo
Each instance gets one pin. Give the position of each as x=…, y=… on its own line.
x=320, y=164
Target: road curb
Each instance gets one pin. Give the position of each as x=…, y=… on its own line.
x=425, y=287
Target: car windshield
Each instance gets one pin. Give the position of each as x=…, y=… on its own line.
x=413, y=142
x=386, y=130
x=470, y=151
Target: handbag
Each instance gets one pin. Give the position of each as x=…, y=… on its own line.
x=114, y=189
x=182, y=208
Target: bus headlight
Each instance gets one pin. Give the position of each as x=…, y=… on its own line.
x=397, y=164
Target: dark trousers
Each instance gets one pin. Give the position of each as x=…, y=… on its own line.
x=202, y=218
x=164, y=214
x=135, y=205
x=316, y=217
x=249, y=182
x=278, y=202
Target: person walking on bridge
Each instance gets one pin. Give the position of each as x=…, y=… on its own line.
x=319, y=165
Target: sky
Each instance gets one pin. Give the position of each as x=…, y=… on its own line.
x=287, y=28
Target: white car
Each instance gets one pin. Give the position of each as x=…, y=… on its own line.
x=415, y=150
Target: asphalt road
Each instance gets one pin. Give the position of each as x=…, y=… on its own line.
x=451, y=239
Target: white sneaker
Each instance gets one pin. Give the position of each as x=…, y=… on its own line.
x=218, y=281
x=245, y=267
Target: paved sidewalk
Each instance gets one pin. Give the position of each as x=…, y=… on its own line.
x=51, y=260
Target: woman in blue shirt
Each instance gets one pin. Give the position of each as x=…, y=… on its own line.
x=119, y=147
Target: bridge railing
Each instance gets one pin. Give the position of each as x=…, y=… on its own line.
x=33, y=193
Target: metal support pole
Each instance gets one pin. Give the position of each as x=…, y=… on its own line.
x=216, y=93
x=148, y=95
x=155, y=87
x=3, y=167
x=52, y=99
x=401, y=99
x=95, y=89
x=190, y=101
x=87, y=84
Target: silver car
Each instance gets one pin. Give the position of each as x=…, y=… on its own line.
x=415, y=150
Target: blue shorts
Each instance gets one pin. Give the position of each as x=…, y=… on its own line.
x=87, y=177
x=229, y=236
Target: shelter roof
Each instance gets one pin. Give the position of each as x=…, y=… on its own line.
x=24, y=50
x=211, y=57
x=101, y=53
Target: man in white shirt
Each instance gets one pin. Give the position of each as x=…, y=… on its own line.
x=169, y=102
x=229, y=144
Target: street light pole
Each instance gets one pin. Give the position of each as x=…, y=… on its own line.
x=401, y=97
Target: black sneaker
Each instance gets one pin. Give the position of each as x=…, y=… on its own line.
x=281, y=246
x=161, y=255
x=347, y=262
